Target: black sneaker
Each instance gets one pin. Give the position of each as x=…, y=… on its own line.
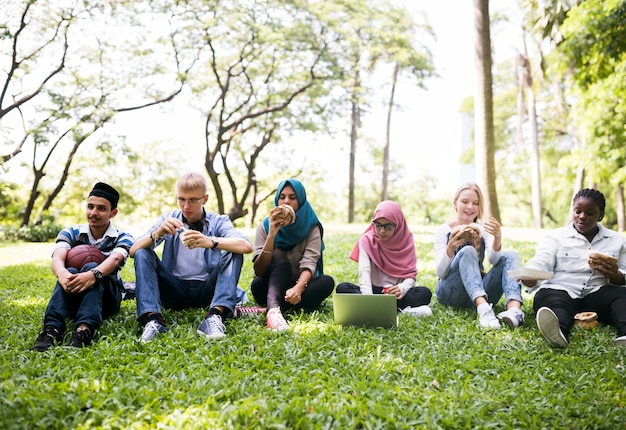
x=48, y=337
x=81, y=338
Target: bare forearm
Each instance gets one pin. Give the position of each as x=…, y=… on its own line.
x=142, y=242
x=235, y=245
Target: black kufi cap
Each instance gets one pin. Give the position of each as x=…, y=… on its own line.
x=108, y=192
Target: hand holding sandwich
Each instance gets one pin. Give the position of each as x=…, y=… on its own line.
x=460, y=235
x=607, y=266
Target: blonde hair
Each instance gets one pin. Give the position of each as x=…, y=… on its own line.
x=192, y=181
x=472, y=186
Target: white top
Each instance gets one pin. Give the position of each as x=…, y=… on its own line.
x=565, y=252
x=442, y=261
x=370, y=274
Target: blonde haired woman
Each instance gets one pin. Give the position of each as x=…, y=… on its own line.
x=460, y=248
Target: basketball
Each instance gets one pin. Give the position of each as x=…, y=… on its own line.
x=80, y=255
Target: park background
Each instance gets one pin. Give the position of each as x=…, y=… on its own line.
x=128, y=98
x=133, y=103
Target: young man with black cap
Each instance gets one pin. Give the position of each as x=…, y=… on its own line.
x=93, y=292
x=202, y=260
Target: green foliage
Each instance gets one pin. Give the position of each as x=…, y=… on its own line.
x=438, y=372
x=43, y=231
x=10, y=203
x=595, y=39
x=593, y=57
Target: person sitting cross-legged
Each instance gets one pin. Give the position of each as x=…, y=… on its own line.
x=387, y=262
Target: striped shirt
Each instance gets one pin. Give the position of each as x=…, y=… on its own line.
x=113, y=240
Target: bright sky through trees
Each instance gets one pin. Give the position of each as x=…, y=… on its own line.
x=427, y=128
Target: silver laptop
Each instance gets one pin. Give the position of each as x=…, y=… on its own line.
x=374, y=310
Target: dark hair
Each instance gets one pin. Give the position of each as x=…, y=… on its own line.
x=594, y=195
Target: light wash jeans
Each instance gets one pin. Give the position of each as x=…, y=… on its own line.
x=156, y=286
x=464, y=282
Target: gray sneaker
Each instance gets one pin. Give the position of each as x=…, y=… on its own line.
x=212, y=327
x=548, y=324
x=512, y=317
x=620, y=341
x=151, y=329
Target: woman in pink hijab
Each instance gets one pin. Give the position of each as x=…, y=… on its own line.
x=387, y=261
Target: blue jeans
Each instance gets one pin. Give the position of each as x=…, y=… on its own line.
x=465, y=283
x=156, y=287
x=91, y=307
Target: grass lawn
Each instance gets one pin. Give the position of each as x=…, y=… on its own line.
x=438, y=372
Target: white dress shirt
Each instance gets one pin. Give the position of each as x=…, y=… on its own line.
x=565, y=252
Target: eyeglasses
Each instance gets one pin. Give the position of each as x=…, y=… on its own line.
x=195, y=201
x=386, y=227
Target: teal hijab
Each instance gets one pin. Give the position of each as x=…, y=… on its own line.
x=288, y=236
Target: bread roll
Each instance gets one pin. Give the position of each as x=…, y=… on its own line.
x=287, y=215
x=586, y=320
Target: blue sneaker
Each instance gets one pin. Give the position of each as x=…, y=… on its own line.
x=212, y=327
x=151, y=329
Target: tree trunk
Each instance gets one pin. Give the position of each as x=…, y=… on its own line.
x=384, y=195
x=535, y=167
x=520, y=76
x=580, y=179
x=484, y=139
x=34, y=193
x=621, y=222
x=578, y=185
x=355, y=122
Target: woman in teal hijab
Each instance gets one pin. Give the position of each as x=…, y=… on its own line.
x=288, y=264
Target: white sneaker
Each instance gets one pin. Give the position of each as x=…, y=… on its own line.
x=620, y=341
x=512, y=317
x=419, y=311
x=548, y=324
x=486, y=318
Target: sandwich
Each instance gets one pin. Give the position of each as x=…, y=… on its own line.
x=468, y=233
x=287, y=216
x=596, y=260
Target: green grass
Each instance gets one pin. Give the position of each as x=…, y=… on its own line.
x=437, y=372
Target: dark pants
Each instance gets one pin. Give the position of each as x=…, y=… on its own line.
x=91, y=307
x=416, y=296
x=269, y=290
x=608, y=302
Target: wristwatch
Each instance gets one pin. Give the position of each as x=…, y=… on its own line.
x=215, y=242
x=97, y=273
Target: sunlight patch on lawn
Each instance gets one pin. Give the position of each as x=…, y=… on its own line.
x=21, y=253
x=29, y=302
x=311, y=327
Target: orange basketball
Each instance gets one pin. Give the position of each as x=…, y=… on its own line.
x=80, y=255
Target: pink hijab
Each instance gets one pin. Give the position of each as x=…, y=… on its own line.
x=396, y=256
